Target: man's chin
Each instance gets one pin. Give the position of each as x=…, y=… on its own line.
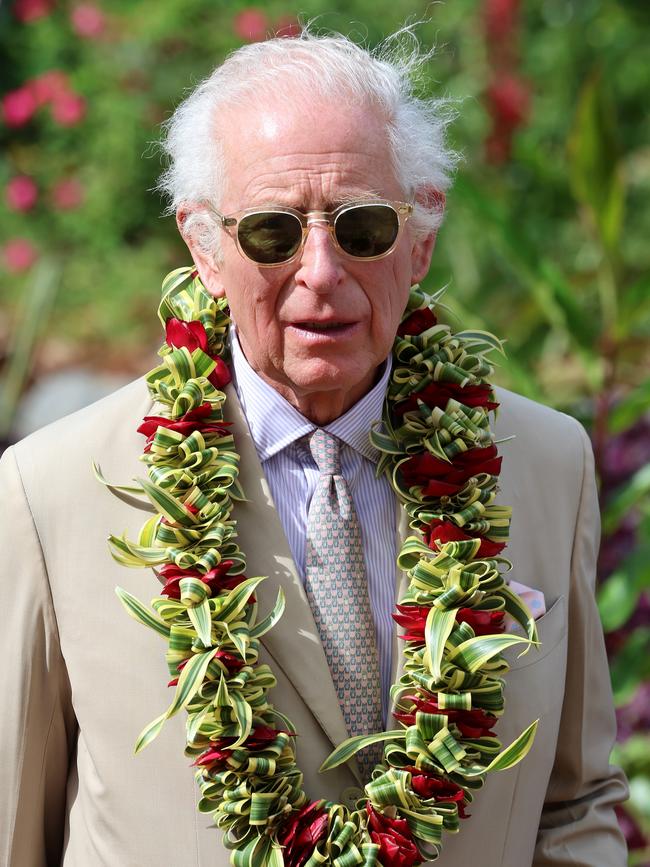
x=327, y=377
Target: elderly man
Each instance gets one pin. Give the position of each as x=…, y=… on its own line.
x=308, y=183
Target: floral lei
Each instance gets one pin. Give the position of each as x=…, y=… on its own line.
x=439, y=453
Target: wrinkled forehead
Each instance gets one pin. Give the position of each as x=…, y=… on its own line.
x=295, y=148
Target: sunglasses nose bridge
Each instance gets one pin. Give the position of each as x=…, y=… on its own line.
x=318, y=218
x=321, y=219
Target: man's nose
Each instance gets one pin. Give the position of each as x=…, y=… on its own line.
x=320, y=264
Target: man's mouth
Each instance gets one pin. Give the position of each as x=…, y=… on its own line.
x=321, y=326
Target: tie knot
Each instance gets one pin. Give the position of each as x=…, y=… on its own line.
x=326, y=451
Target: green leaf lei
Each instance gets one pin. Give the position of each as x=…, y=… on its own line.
x=452, y=686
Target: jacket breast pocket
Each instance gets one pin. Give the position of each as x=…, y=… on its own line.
x=534, y=686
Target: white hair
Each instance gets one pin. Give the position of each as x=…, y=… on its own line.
x=315, y=65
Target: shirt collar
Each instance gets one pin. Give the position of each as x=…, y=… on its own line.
x=274, y=423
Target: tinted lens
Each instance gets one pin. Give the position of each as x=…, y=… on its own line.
x=367, y=230
x=269, y=238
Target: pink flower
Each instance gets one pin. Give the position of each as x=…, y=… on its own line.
x=251, y=24
x=19, y=254
x=67, y=194
x=21, y=193
x=48, y=86
x=287, y=27
x=500, y=18
x=18, y=106
x=88, y=21
x=31, y=10
x=508, y=99
x=68, y=108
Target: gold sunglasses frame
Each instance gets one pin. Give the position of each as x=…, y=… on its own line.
x=230, y=222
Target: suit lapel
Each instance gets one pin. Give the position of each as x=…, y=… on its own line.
x=294, y=644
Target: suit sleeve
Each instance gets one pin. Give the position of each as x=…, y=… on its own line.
x=37, y=726
x=578, y=824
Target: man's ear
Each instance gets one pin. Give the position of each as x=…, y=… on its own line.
x=205, y=264
x=422, y=252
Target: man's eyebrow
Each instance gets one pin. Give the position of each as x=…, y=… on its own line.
x=330, y=204
x=359, y=196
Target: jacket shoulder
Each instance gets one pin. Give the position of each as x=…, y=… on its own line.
x=541, y=434
x=59, y=455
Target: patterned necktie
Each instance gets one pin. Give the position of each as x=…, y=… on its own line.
x=337, y=589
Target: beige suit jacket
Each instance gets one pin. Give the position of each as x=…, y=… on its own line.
x=80, y=679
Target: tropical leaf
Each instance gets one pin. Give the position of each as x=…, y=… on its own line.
x=269, y=622
x=520, y=612
x=439, y=624
x=189, y=682
x=351, y=746
x=473, y=654
x=513, y=754
x=113, y=487
x=201, y=621
x=142, y=614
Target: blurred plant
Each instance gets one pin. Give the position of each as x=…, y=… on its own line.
x=578, y=301
x=621, y=421
x=508, y=95
x=36, y=306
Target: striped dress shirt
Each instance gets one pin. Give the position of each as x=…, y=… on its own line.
x=280, y=435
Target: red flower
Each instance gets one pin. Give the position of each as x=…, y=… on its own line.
x=301, y=833
x=251, y=24
x=21, y=193
x=417, y=322
x=68, y=108
x=500, y=19
x=475, y=723
x=260, y=738
x=32, y=10
x=194, y=419
x=438, y=393
x=232, y=663
x=213, y=759
x=88, y=21
x=217, y=579
x=192, y=335
x=440, y=532
x=482, y=622
x=186, y=334
x=220, y=376
x=428, y=785
x=67, y=194
x=508, y=99
x=18, y=106
x=396, y=845
x=439, y=478
x=19, y=255
x=413, y=619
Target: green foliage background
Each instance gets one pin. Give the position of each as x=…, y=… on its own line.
x=548, y=247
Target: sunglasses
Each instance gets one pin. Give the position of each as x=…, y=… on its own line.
x=276, y=235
